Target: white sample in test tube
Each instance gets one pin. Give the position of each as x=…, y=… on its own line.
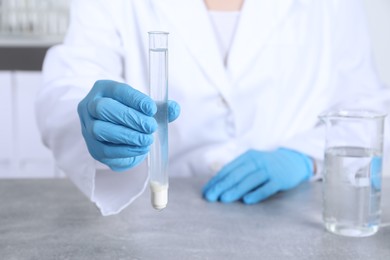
x=158, y=88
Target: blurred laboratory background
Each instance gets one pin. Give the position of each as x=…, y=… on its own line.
x=29, y=27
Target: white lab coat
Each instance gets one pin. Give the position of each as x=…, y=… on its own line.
x=290, y=61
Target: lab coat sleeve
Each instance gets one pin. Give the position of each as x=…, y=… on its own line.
x=91, y=51
x=353, y=74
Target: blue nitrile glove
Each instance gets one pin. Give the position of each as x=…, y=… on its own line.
x=117, y=123
x=256, y=175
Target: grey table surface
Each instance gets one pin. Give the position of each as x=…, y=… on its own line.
x=51, y=219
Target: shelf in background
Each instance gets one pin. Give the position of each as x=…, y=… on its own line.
x=28, y=57
x=31, y=41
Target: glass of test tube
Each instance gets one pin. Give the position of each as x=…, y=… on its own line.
x=158, y=89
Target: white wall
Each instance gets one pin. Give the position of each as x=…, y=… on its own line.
x=22, y=153
x=378, y=14
x=7, y=138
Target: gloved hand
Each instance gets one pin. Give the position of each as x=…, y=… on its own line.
x=256, y=175
x=117, y=123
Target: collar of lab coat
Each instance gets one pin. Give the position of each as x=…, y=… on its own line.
x=191, y=21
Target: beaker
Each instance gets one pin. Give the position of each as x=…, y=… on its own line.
x=352, y=171
x=158, y=88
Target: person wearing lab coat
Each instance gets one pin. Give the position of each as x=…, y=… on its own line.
x=248, y=81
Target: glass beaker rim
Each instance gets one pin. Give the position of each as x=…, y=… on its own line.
x=158, y=32
x=353, y=113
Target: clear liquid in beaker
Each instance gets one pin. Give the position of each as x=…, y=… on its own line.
x=352, y=191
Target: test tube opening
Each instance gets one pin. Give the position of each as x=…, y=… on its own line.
x=158, y=40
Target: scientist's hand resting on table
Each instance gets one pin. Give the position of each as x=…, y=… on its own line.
x=248, y=78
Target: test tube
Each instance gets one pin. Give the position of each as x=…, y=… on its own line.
x=158, y=88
